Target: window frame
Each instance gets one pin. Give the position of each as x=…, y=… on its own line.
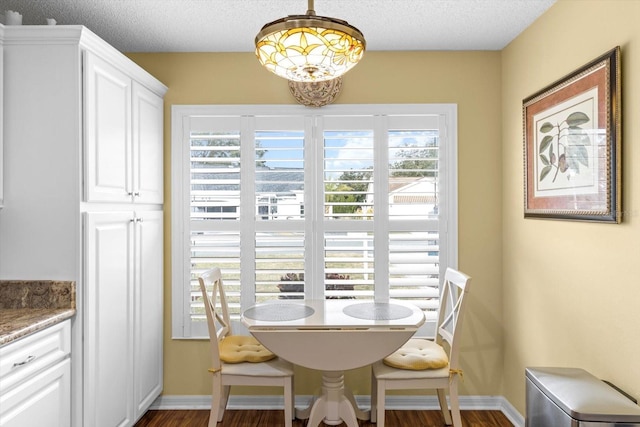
x=180, y=186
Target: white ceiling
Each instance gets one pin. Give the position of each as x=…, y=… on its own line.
x=231, y=25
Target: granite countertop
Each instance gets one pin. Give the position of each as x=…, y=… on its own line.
x=30, y=306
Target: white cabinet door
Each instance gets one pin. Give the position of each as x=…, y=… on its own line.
x=124, y=315
x=43, y=400
x=124, y=137
x=107, y=119
x=148, y=367
x=108, y=329
x=147, y=125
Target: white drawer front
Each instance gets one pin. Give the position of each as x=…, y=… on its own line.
x=44, y=400
x=33, y=353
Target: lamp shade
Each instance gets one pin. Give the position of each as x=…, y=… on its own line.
x=308, y=48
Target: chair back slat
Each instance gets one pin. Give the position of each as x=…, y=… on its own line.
x=451, y=312
x=218, y=320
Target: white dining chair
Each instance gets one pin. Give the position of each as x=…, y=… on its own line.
x=238, y=359
x=424, y=363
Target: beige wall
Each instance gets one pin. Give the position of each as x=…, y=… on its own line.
x=571, y=289
x=469, y=79
x=546, y=293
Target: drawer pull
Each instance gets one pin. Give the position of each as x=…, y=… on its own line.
x=25, y=361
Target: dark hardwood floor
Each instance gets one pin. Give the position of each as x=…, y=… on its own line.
x=233, y=418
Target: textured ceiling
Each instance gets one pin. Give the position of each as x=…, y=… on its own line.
x=231, y=25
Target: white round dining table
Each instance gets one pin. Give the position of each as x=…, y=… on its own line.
x=333, y=335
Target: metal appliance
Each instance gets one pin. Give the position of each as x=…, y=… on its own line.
x=572, y=397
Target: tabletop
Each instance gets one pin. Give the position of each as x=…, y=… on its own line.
x=332, y=314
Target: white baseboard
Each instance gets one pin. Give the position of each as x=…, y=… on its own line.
x=395, y=402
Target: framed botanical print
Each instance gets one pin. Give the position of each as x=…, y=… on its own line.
x=572, y=140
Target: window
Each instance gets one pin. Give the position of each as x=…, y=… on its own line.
x=352, y=201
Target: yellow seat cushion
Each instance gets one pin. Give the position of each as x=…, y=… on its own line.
x=417, y=355
x=242, y=348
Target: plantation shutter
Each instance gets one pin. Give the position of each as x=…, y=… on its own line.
x=313, y=205
x=413, y=197
x=381, y=223
x=214, y=209
x=280, y=218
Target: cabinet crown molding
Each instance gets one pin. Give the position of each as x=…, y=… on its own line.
x=81, y=36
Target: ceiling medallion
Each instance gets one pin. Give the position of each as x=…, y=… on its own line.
x=316, y=94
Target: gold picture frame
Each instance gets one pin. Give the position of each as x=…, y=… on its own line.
x=572, y=145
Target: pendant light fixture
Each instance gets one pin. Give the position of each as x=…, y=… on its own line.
x=309, y=48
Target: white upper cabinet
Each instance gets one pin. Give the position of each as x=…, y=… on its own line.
x=123, y=125
x=147, y=145
x=107, y=111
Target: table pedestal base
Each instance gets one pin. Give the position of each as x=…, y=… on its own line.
x=335, y=406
